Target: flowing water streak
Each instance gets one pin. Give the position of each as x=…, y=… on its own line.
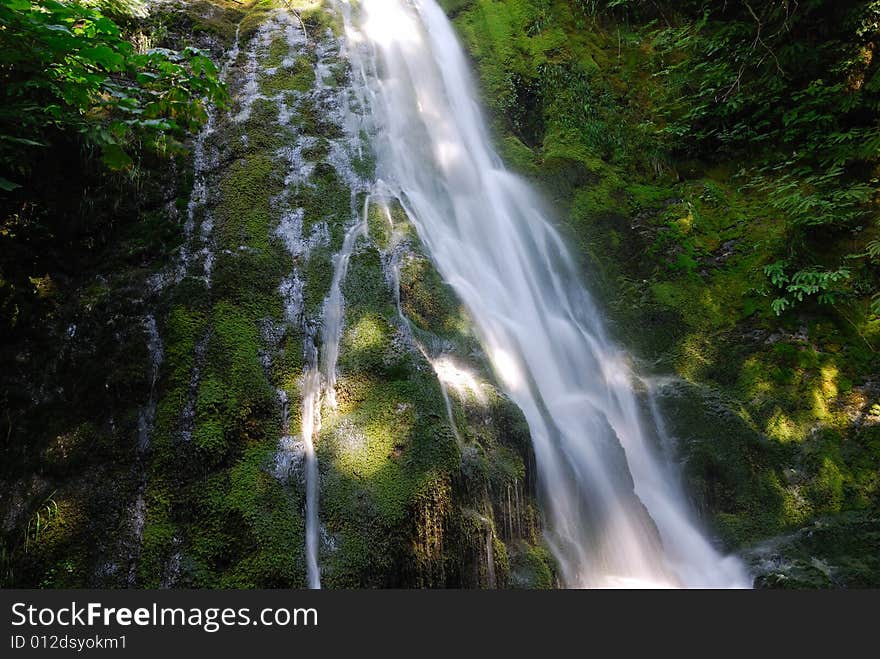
x=448, y=373
x=615, y=514
x=334, y=307
x=137, y=511
x=157, y=355
x=205, y=160
x=311, y=425
x=318, y=381
x=319, y=376
x=450, y=416
x=491, y=580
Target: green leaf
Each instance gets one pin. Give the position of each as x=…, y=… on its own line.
x=776, y=273
x=779, y=305
x=7, y=185
x=114, y=157
x=17, y=5
x=104, y=56
x=20, y=140
x=106, y=26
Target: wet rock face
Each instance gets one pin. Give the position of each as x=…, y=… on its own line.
x=298, y=323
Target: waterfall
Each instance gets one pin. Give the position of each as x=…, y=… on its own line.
x=322, y=380
x=616, y=515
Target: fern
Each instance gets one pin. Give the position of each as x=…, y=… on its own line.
x=811, y=283
x=40, y=521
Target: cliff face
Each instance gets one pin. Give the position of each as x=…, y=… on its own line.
x=156, y=394
x=777, y=417
x=157, y=433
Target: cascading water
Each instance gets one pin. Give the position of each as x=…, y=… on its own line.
x=323, y=332
x=318, y=381
x=334, y=308
x=615, y=514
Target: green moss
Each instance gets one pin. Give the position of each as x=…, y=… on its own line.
x=299, y=77
x=279, y=49
x=215, y=17
x=365, y=287
x=260, y=136
x=243, y=216
x=426, y=299
x=250, y=533
x=318, y=279
x=364, y=163
x=312, y=122
x=519, y=156
x=257, y=13
x=378, y=227
x=327, y=199
x=532, y=566
x=403, y=436
x=183, y=329
x=365, y=344
x=250, y=279
x=831, y=552
x=235, y=389
x=157, y=542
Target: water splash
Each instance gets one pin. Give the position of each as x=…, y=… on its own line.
x=616, y=516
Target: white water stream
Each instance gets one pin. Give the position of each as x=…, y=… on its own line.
x=616, y=514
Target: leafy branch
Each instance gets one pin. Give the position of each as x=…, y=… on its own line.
x=68, y=70
x=822, y=285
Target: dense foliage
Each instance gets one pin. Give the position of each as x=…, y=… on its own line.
x=793, y=89
x=69, y=70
